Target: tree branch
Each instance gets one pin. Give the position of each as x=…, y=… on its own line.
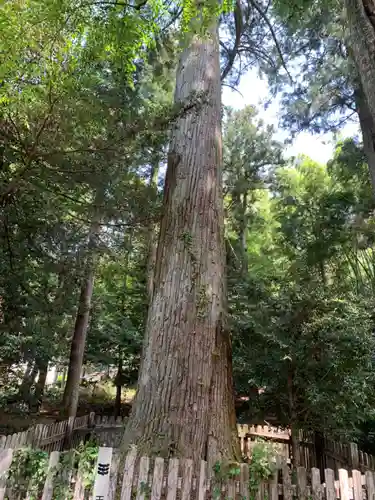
x=116, y=4
x=158, y=123
x=239, y=26
x=232, y=88
x=278, y=48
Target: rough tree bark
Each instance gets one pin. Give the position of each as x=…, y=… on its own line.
x=184, y=404
x=361, y=21
x=368, y=132
x=71, y=392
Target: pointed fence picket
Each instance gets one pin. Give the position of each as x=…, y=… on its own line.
x=144, y=478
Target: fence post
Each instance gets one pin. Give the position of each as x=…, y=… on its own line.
x=354, y=455
x=69, y=433
x=344, y=484
x=48, y=485
x=37, y=435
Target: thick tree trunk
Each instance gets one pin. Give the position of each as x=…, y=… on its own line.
x=184, y=404
x=361, y=22
x=368, y=133
x=77, y=350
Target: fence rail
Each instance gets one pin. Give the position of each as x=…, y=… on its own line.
x=148, y=478
x=108, y=432
x=51, y=436
x=48, y=437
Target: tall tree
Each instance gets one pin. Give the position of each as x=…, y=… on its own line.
x=327, y=90
x=360, y=16
x=69, y=117
x=77, y=349
x=250, y=153
x=297, y=315
x=184, y=402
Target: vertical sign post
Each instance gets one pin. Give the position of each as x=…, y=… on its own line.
x=102, y=473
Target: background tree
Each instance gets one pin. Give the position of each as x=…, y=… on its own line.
x=294, y=325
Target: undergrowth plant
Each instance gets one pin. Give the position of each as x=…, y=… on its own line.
x=87, y=454
x=262, y=465
x=81, y=459
x=28, y=472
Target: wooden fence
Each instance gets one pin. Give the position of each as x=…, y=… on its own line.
x=48, y=437
x=144, y=478
x=108, y=432
x=335, y=455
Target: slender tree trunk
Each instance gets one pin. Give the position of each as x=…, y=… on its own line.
x=184, y=404
x=322, y=271
x=118, y=387
x=243, y=234
x=119, y=375
x=319, y=452
x=71, y=393
x=24, y=391
x=368, y=133
x=152, y=236
x=361, y=21
x=296, y=459
x=26, y=376
x=40, y=385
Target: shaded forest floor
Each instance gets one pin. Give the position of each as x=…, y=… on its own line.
x=17, y=417
x=99, y=399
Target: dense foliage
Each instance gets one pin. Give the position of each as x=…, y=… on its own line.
x=85, y=110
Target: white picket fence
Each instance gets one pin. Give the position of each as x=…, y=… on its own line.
x=145, y=478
